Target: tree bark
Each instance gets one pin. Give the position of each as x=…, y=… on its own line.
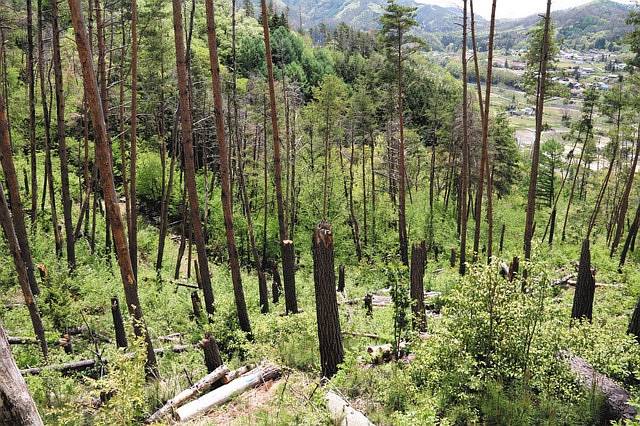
x=464, y=175
x=16, y=405
x=238, y=292
x=535, y=161
x=585, y=286
x=32, y=113
x=187, y=152
x=103, y=158
x=133, y=198
x=118, y=323
x=286, y=243
x=331, y=351
x=418, y=261
x=62, y=143
x=624, y=202
x=21, y=270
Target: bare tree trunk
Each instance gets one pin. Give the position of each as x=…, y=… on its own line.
x=241, y=307
x=624, y=202
x=418, y=261
x=464, y=175
x=32, y=113
x=535, y=161
x=585, y=286
x=133, y=199
x=62, y=144
x=17, y=212
x=21, y=269
x=331, y=351
x=484, y=159
x=631, y=236
x=402, y=218
x=187, y=152
x=286, y=244
x=16, y=405
x=103, y=159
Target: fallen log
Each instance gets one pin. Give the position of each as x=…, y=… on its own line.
x=342, y=413
x=616, y=397
x=237, y=373
x=86, y=364
x=564, y=281
x=224, y=393
x=68, y=367
x=13, y=340
x=197, y=389
x=366, y=335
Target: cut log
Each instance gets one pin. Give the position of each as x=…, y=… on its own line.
x=616, y=397
x=225, y=393
x=16, y=405
x=564, y=281
x=86, y=364
x=342, y=413
x=197, y=389
x=237, y=373
x=366, y=335
x=21, y=340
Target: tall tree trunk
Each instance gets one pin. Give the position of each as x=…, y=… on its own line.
x=133, y=199
x=32, y=113
x=402, y=217
x=535, y=159
x=238, y=293
x=62, y=143
x=484, y=159
x=14, y=226
x=324, y=277
x=11, y=178
x=48, y=178
x=624, y=202
x=16, y=405
x=187, y=152
x=464, y=175
x=286, y=243
x=631, y=236
x=104, y=96
x=103, y=159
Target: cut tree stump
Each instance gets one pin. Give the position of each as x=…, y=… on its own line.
x=616, y=397
x=342, y=413
x=193, y=391
x=225, y=393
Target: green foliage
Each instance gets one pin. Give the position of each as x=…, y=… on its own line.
x=551, y=153
x=507, y=161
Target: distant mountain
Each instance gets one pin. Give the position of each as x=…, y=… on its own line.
x=594, y=24
x=434, y=22
x=599, y=22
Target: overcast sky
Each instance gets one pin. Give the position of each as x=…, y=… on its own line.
x=515, y=8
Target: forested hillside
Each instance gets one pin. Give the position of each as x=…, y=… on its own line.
x=214, y=215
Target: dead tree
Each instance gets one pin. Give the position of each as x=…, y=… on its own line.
x=62, y=144
x=188, y=157
x=133, y=198
x=418, y=261
x=225, y=172
x=286, y=243
x=212, y=357
x=341, y=278
x=118, y=323
x=21, y=270
x=32, y=112
x=624, y=202
x=585, y=286
x=331, y=351
x=16, y=405
x=103, y=159
x=17, y=212
x=464, y=173
x=535, y=156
